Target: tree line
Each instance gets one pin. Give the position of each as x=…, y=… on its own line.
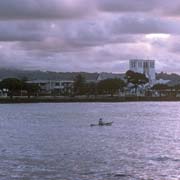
x=109, y=86
x=132, y=80
x=15, y=87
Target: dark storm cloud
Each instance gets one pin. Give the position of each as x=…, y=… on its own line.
x=86, y=33
x=70, y=9
x=145, y=25
x=127, y=5
x=156, y=7
x=43, y=9
x=20, y=31
x=79, y=36
x=74, y=37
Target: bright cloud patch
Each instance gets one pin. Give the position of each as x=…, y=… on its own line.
x=157, y=36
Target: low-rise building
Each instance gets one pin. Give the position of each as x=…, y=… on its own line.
x=162, y=81
x=59, y=87
x=103, y=76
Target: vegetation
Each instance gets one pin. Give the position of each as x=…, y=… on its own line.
x=91, y=88
x=110, y=86
x=12, y=85
x=20, y=87
x=160, y=87
x=177, y=87
x=136, y=79
x=15, y=86
x=32, y=89
x=79, y=85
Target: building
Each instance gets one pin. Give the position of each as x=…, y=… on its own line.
x=104, y=76
x=146, y=67
x=163, y=81
x=58, y=87
x=62, y=85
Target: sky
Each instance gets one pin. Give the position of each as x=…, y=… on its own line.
x=91, y=36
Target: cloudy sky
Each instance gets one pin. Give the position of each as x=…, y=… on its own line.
x=93, y=36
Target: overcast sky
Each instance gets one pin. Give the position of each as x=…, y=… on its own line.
x=89, y=35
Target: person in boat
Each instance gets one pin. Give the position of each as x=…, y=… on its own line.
x=101, y=122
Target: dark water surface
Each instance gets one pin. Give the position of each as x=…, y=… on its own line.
x=55, y=141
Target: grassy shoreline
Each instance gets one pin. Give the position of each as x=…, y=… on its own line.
x=85, y=99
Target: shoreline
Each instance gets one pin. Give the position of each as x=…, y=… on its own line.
x=18, y=100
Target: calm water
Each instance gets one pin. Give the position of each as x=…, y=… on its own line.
x=55, y=142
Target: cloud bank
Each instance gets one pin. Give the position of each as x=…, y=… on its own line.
x=81, y=35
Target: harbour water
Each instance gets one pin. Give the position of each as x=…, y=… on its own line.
x=55, y=141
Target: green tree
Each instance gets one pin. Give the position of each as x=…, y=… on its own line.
x=32, y=89
x=79, y=85
x=160, y=88
x=91, y=88
x=136, y=78
x=176, y=87
x=110, y=86
x=13, y=85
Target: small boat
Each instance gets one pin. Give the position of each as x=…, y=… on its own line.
x=103, y=124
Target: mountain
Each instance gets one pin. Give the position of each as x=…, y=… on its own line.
x=49, y=75
x=165, y=76
x=40, y=75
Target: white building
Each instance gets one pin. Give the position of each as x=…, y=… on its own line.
x=162, y=81
x=146, y=67
x=58, y=86
x=103, y=76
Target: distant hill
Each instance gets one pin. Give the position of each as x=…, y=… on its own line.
x=40, y=75
x=48, y=75
x=165, y=76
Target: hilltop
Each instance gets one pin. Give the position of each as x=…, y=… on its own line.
x=41, y=75
x=49, y=75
